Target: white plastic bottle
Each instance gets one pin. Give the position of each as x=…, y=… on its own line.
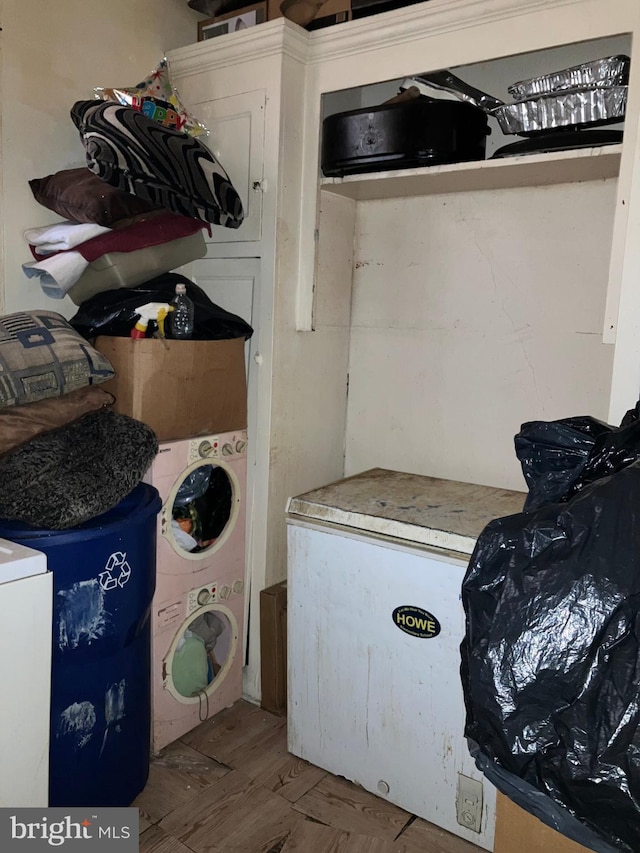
x=181, y=318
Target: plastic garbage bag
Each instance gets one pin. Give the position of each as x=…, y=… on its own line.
x=203, y=506
x=112, y=312
x=553, y=454
x=194, y=485
x=215, y=506
x=551, y=656
x=559, y=458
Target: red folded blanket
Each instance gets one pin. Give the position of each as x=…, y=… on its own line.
x=151, y=232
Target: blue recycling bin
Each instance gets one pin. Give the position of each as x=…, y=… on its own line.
x=103, y=582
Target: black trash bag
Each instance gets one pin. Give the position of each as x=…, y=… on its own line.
x=216, y=504
x=204, y=503
x=559, y=458
x=551, y=657
x=113, y=311
x=553, y=454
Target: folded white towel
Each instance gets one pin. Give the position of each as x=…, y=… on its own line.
x=58, y=273
x=62, y=236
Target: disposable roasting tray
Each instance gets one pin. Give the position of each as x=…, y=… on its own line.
x=577, y=108
x=600, y=73
x=587, y=107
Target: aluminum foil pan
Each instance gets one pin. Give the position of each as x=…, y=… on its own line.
x=609, y=71
x=578, y=107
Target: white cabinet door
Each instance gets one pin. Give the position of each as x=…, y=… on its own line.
x=231, y=283
x=236, y=137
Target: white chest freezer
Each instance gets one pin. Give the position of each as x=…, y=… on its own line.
x=26, y=600
x=375, y=622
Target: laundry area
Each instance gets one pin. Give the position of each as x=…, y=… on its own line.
x=320, y=423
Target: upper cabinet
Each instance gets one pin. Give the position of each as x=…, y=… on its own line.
x=236, y=137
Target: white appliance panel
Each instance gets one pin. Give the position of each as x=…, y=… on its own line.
x=366, y=700
x=26, y=596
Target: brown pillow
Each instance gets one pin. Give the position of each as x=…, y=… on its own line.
x=81, y=196
x=19, y=424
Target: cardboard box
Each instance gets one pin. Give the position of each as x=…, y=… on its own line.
x=517, y=831
x=179, y=388
x=273, y=648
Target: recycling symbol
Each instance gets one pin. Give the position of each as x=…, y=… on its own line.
x=116, y=572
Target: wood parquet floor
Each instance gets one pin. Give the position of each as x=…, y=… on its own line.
x=230, y=786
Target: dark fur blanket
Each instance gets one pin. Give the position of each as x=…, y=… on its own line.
x=72, y=474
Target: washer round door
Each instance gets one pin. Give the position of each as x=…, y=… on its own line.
x=201, y=510
x=201, y=655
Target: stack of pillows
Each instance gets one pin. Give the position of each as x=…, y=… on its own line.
x=137, y=170
x=65, y=455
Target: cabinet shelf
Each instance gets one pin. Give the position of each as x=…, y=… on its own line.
x=584, y=164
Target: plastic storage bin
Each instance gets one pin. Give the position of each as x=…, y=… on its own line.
x=126, y=269
x=103, y=585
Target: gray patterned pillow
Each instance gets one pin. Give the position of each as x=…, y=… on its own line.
x=42, y=356
x=162, y=166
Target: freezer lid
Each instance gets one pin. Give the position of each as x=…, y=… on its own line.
x=410, y=507
x=18, y=561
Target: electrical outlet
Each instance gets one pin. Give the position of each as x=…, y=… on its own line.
x=469, y=803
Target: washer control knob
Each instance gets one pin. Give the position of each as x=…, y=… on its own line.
x=227, y=449
x=240, y=446
x=204, y=596
x=205, y=448
x=225, y=592
x=238, y=586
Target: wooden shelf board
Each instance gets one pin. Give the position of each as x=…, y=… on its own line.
x=580, y=164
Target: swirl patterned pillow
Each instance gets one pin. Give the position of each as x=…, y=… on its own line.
x=41, y=356
x=165, y=167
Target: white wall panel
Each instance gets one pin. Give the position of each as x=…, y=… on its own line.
x=472, y=313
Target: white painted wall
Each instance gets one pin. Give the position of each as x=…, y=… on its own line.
x=53, y=54
x=472, y=313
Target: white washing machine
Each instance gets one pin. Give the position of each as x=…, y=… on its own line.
x=199, y=605
x=375, y=622
x=26, y=602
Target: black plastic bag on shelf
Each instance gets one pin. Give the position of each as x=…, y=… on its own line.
x=559, y=458
x=113, y=311
x=551, y=656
